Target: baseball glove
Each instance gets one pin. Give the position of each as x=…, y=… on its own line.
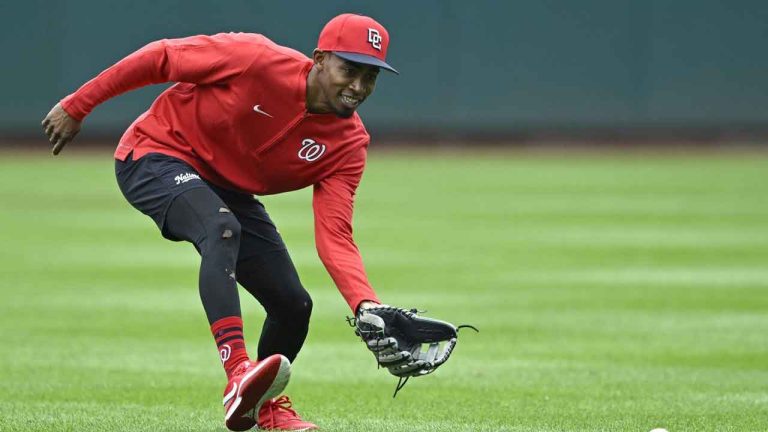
x=407, y=344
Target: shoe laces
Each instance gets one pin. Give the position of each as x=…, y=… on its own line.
x=284, y=404
x=281, y=404
x=241, y=368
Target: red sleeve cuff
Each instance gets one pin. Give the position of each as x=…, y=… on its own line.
x=354, y=303
x=69, y=106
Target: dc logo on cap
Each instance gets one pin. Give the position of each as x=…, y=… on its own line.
x=374, y=38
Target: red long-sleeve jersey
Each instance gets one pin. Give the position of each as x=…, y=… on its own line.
x=238, y=115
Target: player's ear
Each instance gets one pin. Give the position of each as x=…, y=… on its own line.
x=320, y=57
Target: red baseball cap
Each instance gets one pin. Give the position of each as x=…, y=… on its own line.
x=356, y=38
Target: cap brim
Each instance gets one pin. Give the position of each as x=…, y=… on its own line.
x=365, y=59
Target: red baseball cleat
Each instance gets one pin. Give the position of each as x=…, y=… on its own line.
x=251, y=385
x=276, y=414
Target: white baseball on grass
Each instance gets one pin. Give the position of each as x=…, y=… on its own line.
x=659, y=430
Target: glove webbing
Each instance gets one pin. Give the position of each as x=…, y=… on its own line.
x=402, y=381
x=352, y=321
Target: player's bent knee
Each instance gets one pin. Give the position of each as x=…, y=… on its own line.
x=303, y=306
x=223, y=231
x=294, y=309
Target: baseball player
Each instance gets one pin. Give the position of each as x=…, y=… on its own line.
x=247, y=117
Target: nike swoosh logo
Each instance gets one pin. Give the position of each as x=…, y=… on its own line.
x=260, y=111
x=231, y=394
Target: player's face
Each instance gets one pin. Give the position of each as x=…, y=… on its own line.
x=345, y=85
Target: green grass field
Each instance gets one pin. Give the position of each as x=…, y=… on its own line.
x=613, y=292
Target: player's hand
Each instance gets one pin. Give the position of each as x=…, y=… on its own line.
x=60, y=127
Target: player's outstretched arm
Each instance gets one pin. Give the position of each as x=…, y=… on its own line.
x=60, y=127
x=196, y=60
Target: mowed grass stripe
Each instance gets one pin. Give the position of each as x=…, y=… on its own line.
x=613, y=292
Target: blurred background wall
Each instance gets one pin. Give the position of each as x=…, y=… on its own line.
x=479, y=68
